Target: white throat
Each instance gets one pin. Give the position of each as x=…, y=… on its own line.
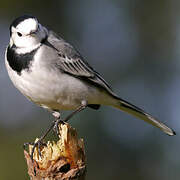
x=27, y=49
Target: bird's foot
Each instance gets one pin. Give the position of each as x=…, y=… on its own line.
x=56, y=126
x=39, y=143
x=56, y=122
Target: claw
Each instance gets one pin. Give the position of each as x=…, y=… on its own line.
x=37, y=144
x=39, y=151
x=56, y=126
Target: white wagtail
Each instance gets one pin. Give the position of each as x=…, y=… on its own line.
x=53, y=74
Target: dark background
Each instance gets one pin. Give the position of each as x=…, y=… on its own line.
x=135, y=46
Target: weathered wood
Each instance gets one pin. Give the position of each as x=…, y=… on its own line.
x=61, y=160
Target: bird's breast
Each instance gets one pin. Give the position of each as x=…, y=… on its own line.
x=48, y=86
x=51, y=88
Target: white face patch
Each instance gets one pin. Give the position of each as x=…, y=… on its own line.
x=27, y=35
x=27, y=26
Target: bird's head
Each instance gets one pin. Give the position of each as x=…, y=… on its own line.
x=27, y=32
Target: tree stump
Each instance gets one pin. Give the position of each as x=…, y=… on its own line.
x=61, y=160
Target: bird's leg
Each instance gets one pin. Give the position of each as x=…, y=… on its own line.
x=80, y=108
x=54, y=126
x=56, y=122
x=39, y=143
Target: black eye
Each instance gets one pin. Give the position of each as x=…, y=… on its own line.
x=19, y=34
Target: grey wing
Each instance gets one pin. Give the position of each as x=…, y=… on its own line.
x=71, y=62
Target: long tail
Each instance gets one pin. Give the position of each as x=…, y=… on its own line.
x=139, y=113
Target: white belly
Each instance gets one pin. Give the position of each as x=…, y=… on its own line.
x=53, y=89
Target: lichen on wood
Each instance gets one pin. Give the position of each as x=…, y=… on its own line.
x=61, y=160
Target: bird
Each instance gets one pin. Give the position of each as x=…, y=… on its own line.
x=51, y=73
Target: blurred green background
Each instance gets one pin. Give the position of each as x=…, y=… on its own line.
x=135, y=46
